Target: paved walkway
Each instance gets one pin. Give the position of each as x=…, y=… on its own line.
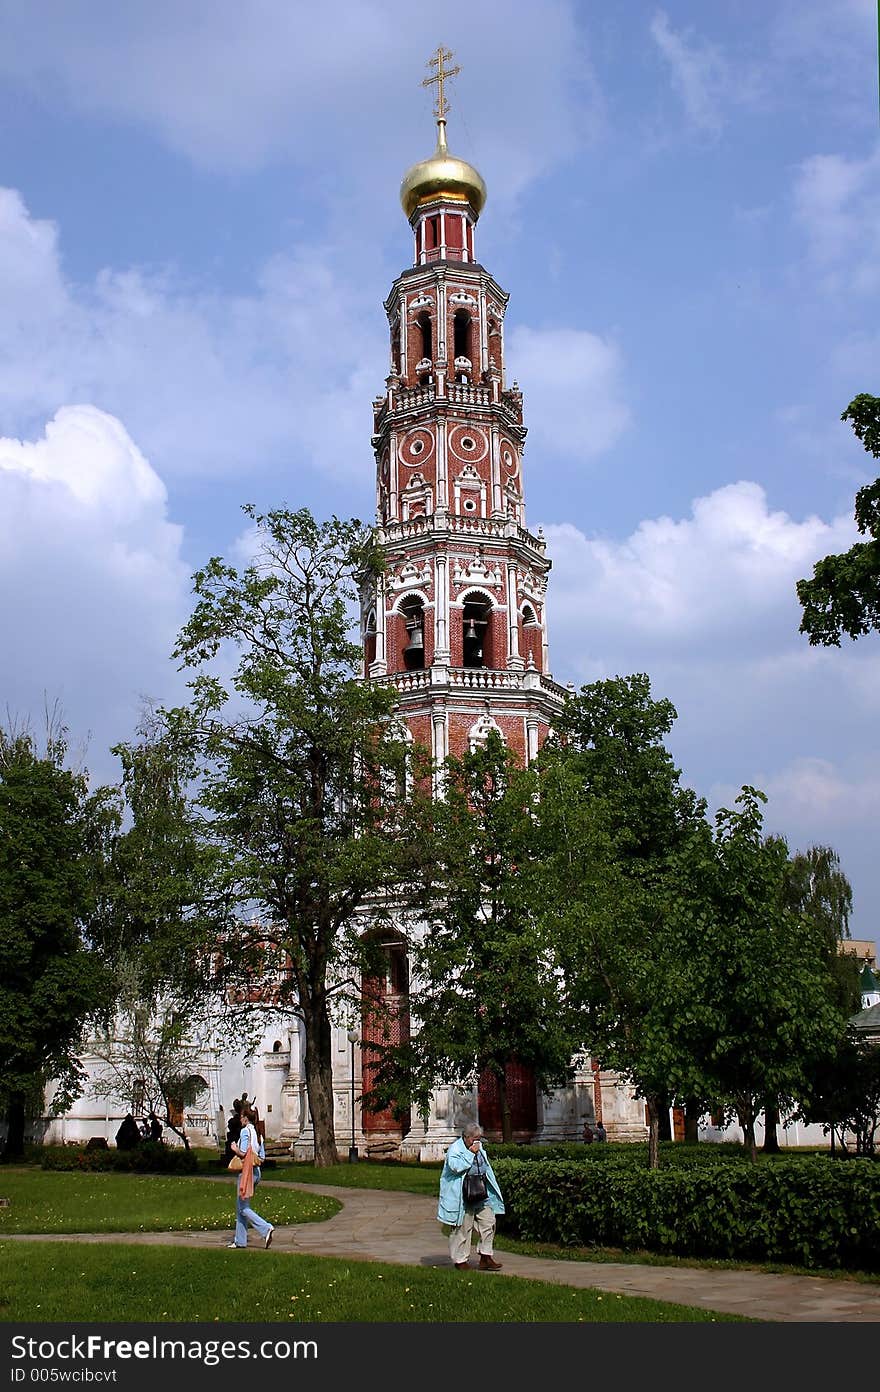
x=378, y=1225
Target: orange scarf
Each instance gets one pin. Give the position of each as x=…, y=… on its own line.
x=246, y=1178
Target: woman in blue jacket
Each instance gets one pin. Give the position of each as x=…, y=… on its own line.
x=465, y=1154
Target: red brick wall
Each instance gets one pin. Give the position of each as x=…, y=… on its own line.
x=531, y=642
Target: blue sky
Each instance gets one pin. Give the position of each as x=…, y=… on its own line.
x=199, y=222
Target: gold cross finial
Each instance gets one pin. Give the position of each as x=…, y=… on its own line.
x=442, y=56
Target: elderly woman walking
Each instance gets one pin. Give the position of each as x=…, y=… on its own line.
x=466, y=1156
x=250, y=1151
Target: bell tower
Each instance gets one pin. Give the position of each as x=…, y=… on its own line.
x=458, y=622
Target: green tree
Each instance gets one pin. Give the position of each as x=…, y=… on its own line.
x=844, y=594
x=53, y=836
x=611, y=813
x=844, y=1092
x=302, y=781
x=754, y=1000
x=815, y=887
x=158, y=909
x=483, y=994
x=151, y=1060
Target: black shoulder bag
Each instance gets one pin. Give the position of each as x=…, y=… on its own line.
x=474, y=1189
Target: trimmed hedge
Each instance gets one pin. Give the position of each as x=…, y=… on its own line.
x=150, y=1157
x=634, y=1154
x=806, y=1211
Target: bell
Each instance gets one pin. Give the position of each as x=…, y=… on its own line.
x=470, y=632
x=417, y=640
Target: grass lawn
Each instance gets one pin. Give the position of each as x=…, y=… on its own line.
x=47, y=1201
x=402, y=1179
x=48, y=1281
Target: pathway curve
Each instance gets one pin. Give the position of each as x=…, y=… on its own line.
x=380, y=1225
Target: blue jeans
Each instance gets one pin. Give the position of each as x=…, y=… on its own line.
x=245, y=1215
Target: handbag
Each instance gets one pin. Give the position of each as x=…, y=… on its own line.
x=474, y=1189
x=236, y=1164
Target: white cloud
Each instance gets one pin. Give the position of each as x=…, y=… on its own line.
x=707, y=80
x=698, y=72
x=706, y=605
x=723, y=577
x=275, y=384
x=837, y=204
x=231, y=86
x=207, y=382
x=817, y=797
x=573, y=380
x=91, y=567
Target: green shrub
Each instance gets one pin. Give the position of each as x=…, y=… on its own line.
x=805, y=1210
x=151, y=1157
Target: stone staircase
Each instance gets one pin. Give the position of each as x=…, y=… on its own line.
x=276, y=1150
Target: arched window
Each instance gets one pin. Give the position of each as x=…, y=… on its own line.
x=475, y=617
x=532, y=637
x=424, y=323
x=461, y=326
x=413, y=613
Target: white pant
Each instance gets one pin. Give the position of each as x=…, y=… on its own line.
x=460, y=1238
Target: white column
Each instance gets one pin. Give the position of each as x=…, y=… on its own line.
x=379, y=665
x=440, y=350
x=442, y=477
x=484, y=333
x=439, y=747
x=441, y=609
x=514, y=658
x=393, y=503
x=531, y=739
x=495, y=471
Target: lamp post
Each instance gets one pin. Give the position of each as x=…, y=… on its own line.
x=352, y=1149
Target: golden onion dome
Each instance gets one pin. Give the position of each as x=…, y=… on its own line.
x=442, y=176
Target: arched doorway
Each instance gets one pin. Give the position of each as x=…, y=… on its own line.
x=384, y=1021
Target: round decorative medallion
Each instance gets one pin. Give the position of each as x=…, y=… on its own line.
x=468, y=443
x=416, y=447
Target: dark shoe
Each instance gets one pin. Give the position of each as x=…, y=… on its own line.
x=267, y=1241
x=489, y=1264
x=462, y=1266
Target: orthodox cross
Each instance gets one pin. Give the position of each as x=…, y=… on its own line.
x=442, y=56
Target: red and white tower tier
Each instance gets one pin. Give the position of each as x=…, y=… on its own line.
x=458, y=621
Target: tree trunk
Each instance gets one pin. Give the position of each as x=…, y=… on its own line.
x=771, y=1122
x=746, y=1114
x=14, y=1148
x=178, y=1131
x=319, y=1084
x=654, y=1107
x=692, y=1113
